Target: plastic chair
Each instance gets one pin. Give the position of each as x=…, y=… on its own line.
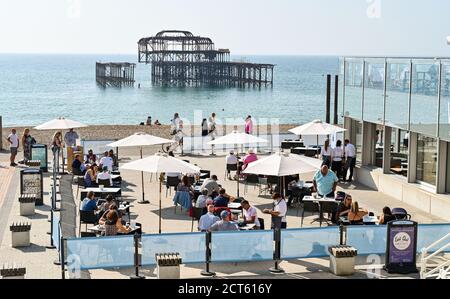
x=87, y=217
x=171, y=182
x=251, y=179
x=196, y=214
x=261, y=223
x=106, y=183
x=230, y=167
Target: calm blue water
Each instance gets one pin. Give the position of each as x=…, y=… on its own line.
x=37, y=88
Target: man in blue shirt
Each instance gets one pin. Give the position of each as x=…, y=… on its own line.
x=207, y=220
x=222, y=200
x=89, y=203
x=325, y=182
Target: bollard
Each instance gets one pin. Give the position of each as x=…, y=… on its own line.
x=168, y=265
x=342, y=260
x=12, y=273
x=20, y=234
x=27, y=204
x=206, y=272
x=277, y=254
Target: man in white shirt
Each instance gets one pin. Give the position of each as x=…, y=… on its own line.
x=231, y=159
x=350, y=159
x=207, y=220
x=278, y=212
x=211, y=185
x=202, y=199
x=105, y=176
x=13, y=140
x=250, y=214
x=107, y=161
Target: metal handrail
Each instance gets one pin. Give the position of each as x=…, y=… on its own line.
x=425, y=258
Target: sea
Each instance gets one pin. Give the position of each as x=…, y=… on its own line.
x=38, y=88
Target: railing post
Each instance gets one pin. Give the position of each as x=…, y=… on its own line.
x=61, y=257
x=52, y=245
x=277, y=254
x=342, y=235
x=206, y=272
x=137, y=238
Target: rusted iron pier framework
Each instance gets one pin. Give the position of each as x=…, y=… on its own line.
x=115, y=74
x=178, y=58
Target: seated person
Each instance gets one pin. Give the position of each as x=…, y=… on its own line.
x=224, y=224
x=78, y=165
x=89, y=203
x=113, y=224
x=107, y=161
x=112, y=207
x=344, y=207
x=104, y=175
x=91, y=158
x=223, y=199
x=90, y=177
x=387, y=216
x=250, y=214
x=251, y=157
x=202, y=199
x=325, y=182
x=356, y=215
x=207, y=220
x=211, y=185
x=157, y=123
x=185, y=186
x=109, y=201
x=231, y=159
x=114, y=158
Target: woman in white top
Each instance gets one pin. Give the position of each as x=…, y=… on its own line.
x=337, y=156
x=325, y=153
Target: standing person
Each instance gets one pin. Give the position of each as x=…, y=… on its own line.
x=325, y=182
x=350, y=159
x=248, y=125
x=107, y=161
x=70, y=138
x=149, y=121
x=325, y=153
x=13, y=140
x=278, y=212
x=336, y=164
x=212, y=129
x=27, y=142
x=205, y=131
x=175, y=124
x=57, y=142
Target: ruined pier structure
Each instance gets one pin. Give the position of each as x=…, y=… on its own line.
x=115, y=74
x=178, y=58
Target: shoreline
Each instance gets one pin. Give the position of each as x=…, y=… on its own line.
x=112, y=132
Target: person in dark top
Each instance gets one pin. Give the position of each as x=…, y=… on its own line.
x=344, y=207
x=222, y=200
x=77, y=165
x=387, y=216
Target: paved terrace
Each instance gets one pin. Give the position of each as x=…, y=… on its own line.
x=39, y=260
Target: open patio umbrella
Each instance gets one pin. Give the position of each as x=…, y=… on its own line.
x=237, y=138
x=161, y=163
x=60, y=123
x=317, y=128
x=280, y=165
x=140, y=140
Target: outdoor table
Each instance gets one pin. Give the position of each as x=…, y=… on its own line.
x=367, y=220
x=307, y=151
x=320, y=201
x=99, y=229
x=248, y=226
x=289, y=144
x=304, y=186
x=102, y=193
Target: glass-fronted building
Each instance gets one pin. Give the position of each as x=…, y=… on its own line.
x=397, y=113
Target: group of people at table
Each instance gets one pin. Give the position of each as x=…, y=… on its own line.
x=93, y=172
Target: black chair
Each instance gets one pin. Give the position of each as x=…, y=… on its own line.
x=261, y=223
x=331, y=209
x=400, y=214
x=251, y=179
x=310, y=207
x=87, y=217
x=87, y=235
x=196, y=214
x=106, y=183
x=207, y=174
x=172, y=181
x=80, y=183
x=230, y=167
x=191, y=180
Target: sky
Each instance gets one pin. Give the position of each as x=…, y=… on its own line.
x=246, y=27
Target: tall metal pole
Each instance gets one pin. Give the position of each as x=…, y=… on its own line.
x=336, y=99
x=143, y=201
x=160, y=190
x=328, y=100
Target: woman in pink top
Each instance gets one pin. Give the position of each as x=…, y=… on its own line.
x=251, y=157
x=248, y=125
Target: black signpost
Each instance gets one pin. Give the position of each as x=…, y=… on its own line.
x=401, y=249
x=31, y=182
x=39, y=152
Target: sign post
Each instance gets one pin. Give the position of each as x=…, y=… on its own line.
x=401, y=249
x=39, y=152
x=31, y=182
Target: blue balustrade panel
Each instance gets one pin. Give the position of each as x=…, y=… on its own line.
x=191, y=247
x=367, y=239
x=429, y=233
x=308, y=242
x=56, y=231
x=101, y=253
x=242, y=246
